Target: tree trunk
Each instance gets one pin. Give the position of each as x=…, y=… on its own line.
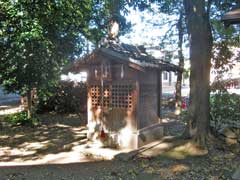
x=29, y=104
x=200, y=35
x=178, y=96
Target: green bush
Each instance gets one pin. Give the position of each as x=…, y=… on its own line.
x=66, y=97
x=21, y=119
x=225, y=110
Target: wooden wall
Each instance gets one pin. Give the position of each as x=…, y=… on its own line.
x=148, y=99
x=112, y=118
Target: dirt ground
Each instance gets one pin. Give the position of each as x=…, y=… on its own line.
x=214, y=166
x=171, y=159
x=56, y=134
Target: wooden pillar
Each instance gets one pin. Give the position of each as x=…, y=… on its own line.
x=170, y=78
x=159, y=94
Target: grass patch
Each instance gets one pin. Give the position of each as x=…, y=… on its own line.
x=21, y=118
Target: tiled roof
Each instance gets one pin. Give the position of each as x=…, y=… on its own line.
x=137, y=55
x=129, y=53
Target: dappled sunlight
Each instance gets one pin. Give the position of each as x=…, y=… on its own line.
x=34, y=145
x=60, y=140
x=161, y=148
x=62, y=125
x=124, y=135
x=186, y=150
x=19, y=136
x=57, y=137
x=8, y=151
x=95, y=150
x=3, y=137
x=172, y=148
x=167, y=171
x=179, y=168
x=157, y=147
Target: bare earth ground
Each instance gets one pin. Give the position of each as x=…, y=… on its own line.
x=57, y=145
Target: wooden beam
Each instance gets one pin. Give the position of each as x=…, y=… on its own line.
x=135, y=66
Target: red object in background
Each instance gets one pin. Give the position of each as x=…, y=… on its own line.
x=102, y=134
x=184, y=106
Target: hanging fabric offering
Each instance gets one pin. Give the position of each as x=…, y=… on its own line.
x=106, y=71
x=96, y=73
x=122, y=72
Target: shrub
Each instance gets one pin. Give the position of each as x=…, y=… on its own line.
x=21, y=119
x=67, y=97
x=225, y=110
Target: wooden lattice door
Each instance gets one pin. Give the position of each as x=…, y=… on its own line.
x=112, y=96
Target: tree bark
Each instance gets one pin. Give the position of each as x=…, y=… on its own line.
x=178, y=96
x=200, y=36
x=29, y=104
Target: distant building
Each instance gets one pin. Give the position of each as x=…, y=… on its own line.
x=8, y=99
x=169, y=78
x=230, y=80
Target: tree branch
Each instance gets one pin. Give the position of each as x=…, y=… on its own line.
x=169, y=31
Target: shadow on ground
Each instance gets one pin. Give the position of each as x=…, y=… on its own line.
x=168, y=158
x=215, y=165
x=56, y=134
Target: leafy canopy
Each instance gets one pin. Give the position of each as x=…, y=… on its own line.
x=38, y=37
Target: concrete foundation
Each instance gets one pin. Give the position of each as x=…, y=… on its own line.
x=143, y=136
x=149, y=134
x=127, y=139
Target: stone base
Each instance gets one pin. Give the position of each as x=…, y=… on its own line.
x=127, y=139
x=149, y=134
x=141, y=137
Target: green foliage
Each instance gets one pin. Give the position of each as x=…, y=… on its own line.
x=21, y=119
x=223, y=60
x=225, y=110
x=66, y=97
x=37, y=38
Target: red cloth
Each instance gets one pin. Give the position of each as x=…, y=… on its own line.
x=102, y=134
x=184, y=106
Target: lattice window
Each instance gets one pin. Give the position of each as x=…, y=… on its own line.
x=122, y=96
x=115, y=96
x=96, y=95
x=106, y=96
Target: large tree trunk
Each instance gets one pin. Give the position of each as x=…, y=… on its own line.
x=199, y=31
x=178, y=97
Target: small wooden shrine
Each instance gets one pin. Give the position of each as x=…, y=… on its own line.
x=124, y=94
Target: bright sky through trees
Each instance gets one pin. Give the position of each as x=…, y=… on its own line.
x=149, y=28
x=146, y=27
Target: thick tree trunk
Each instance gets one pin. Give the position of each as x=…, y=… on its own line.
x=199, y=31
x=178, y=96
x=29, y=104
